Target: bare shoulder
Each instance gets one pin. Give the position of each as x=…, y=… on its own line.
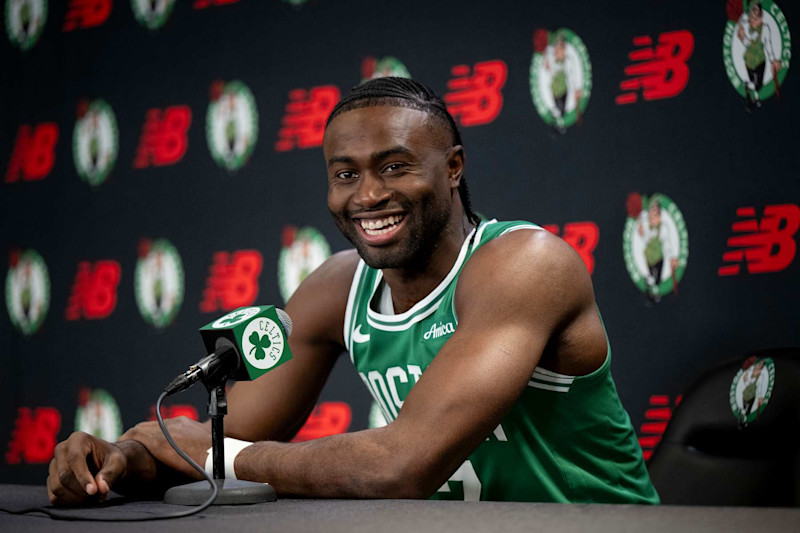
x=530, y=269
x=318, y=305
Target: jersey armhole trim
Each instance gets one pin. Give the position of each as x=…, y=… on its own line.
x=348, y=313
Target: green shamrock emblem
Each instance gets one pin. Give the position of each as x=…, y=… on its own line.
x=259, y=342
x=232, y=319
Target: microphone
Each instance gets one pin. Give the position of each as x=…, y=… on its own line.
x=242, y=345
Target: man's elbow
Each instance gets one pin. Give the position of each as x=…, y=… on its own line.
x=403, y=480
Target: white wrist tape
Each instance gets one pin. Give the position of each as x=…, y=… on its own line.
x=232, y=449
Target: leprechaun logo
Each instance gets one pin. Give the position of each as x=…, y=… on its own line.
x=152, y=14
x=98, y=415
x=372, y=68
x=751, y=389
x=27, y=291
x=303, y=251
x=655, y=244
x=159, y=282
x=24, y=21
x=756, y=49
x=95, y=141
x=560, y=77
x=231, y=124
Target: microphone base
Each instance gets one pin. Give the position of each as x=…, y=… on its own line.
x=231, y=492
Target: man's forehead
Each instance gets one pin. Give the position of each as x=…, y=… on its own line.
x=380, y=123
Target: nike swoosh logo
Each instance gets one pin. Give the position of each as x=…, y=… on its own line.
x=359, y=337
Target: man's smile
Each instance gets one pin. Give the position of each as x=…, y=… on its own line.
x=378, y=230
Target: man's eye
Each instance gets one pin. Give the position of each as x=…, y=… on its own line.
x=346, y=175
x=394, y=167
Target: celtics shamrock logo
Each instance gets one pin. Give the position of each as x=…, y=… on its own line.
x=259, y=343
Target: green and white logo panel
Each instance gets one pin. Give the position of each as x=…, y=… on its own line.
x=303, y=251
x=159, y=283
x=756, y=48
x=257, y=333
x=152, y=14
x=28, y=292
x=25, y=21
x=655, y=244
x=99, y=415
x=751, y=389
x=232, y=125
x=560, y=77
x=95, y=142
x=235, y=317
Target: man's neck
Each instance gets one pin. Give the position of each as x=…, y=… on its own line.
x=410, y=285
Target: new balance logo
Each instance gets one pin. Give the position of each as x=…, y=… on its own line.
x=83, y=14
x=304, y=123
x=163, y=140
x=232, y=281
x=475, y=97
x=34, y=152
x=765, y=246
x=582, y=236
x=660, y=71
x=34, y=437
x=94, y=294
x=439, y=331
x=656, y=418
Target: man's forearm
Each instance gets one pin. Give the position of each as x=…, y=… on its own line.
x=352, y=465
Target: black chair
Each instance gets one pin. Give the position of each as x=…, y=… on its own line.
x=710, y=456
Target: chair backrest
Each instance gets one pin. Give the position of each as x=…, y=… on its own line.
x=733, y=440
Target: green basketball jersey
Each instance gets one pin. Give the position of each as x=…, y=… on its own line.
x=566, y=439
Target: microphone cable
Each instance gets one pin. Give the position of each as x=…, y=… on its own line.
x=66, y=515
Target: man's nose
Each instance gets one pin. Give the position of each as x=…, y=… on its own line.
x=372, y=190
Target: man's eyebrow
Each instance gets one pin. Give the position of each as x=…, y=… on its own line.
x=377, y=156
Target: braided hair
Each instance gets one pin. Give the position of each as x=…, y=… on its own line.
x=404, y=92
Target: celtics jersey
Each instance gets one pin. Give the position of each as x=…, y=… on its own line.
x=566, y=439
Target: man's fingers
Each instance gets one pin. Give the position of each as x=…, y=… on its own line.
x=77, y=469
x=113, y=468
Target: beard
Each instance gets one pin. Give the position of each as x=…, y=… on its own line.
x=425, y=223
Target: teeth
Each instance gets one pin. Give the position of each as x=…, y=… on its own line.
x=380, y=226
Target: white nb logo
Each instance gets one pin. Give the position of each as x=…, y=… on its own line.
x=359, y=337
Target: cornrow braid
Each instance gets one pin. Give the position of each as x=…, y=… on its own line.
x=404, y=92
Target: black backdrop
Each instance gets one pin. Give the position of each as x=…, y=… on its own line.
x=701, y=148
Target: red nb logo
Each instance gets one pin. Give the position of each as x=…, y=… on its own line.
x=163, y=140
x=660, y=71
x=34, y=437
x=304, y=123
x=475, y=97
x=34, y=152
x=768, y=246
x=83, y=14
x=327, y=418
x=94, y=294
x=232, y=281
x=583, y=237
x=656, y=418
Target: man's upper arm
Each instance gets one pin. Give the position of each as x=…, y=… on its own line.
x=275, y=406
x=513, y=295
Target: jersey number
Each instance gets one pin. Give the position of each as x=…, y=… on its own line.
x=469, y=482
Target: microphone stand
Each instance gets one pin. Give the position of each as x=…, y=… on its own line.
x=231, y=491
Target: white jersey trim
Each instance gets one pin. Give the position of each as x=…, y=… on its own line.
x=348, y=313
x=422, y=304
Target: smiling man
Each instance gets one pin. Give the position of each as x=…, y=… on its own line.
x=480, y=340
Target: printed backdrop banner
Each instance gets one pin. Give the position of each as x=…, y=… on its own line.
x=162, y=167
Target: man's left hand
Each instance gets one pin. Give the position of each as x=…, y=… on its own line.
x=192, y=437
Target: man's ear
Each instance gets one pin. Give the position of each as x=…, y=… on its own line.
x=455, y=165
